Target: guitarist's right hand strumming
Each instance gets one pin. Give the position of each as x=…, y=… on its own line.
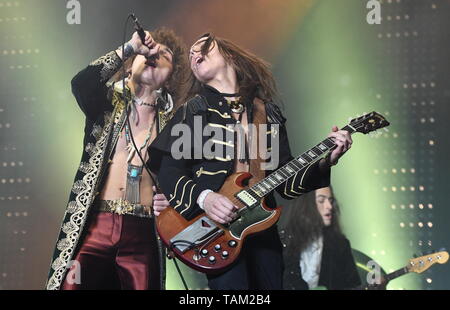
x=219, y=208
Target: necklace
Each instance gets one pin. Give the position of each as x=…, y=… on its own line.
x=140, y=102
x=130, y=147
x=235, y=105
x=134, y=172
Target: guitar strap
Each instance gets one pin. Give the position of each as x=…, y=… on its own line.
x=259, y=118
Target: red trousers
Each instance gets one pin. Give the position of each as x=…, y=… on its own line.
x=116, y=252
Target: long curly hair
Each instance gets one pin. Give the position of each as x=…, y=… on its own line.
x=253, y=73
x=180, y=74
x=305, y=224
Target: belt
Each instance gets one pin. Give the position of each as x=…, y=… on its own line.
x=123, y=207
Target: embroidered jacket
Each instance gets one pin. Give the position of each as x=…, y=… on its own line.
x=104, y=109
x=183, y=180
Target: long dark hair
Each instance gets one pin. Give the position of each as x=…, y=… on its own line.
x=253, y=73
x=180, y=74
x=304, y=223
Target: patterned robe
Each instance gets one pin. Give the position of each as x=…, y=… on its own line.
x=104, y=109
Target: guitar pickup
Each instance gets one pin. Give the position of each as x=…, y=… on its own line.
x=246, y=198
x=194, y=234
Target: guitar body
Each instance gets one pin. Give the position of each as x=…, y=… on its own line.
x=208, y=246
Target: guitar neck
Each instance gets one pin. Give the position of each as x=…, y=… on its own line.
x=395, y=274
x=280, y=176
x=391, y=276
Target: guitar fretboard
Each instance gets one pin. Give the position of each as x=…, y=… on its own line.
x=396, y=274
x=281, y=175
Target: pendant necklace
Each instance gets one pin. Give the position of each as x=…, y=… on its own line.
x=134, y=172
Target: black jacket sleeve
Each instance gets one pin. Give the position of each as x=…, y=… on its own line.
x=179, y=179
x=89, y=85
x=338, y=268
x=181, y=188
x=350, y=278
x=307, y=179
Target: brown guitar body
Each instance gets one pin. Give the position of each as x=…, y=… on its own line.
x=221, y=247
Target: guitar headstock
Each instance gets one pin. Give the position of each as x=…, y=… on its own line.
x=420, y=264
x=369, y=122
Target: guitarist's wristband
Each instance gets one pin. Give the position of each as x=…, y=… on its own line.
x=201, y=198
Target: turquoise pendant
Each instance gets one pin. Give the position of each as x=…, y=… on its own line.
x=134, y=174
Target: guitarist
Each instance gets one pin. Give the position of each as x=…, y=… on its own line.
x=316, y=251
x=226, y=80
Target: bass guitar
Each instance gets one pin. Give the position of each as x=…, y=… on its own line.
x=417, y=265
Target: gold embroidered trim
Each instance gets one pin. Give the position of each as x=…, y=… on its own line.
x=190, y=199
x=303, y=175
x=182, y=194
x=96, y=131
x=220, y=126
x=84, y=167
x=111, y=62
x=223, y=159
x=222, y=142
x=78, y=210
x=272, y=131
x=226, y=115
x=176, y=186
x=285, y=191
x=201, y=171
x=292, y=184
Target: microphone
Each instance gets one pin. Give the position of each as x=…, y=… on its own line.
x=141, y=34
x=138, y=28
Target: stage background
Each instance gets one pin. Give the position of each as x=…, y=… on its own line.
x=330, y=64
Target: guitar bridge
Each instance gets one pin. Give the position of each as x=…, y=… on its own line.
x=194, y=234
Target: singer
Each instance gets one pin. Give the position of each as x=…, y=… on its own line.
x=107, y=238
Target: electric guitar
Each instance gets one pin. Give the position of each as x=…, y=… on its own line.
x=208, y=246
x=417, y=265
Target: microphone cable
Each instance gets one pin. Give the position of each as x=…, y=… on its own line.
x=127, y=120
